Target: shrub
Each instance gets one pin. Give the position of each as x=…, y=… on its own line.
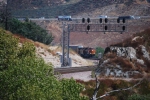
x=23, y=76
x=30, y=30
x=144, y=87
x=99, y=50
x=139, y=97
x=8, y=49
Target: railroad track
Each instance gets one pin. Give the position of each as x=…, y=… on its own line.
x=64, y=70
x=92, y=58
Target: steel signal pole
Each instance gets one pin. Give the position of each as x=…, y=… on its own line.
x=92, y=25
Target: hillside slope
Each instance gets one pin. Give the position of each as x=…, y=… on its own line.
x=83, y=8
x=51, y=54
x=93, y=39
x=53, y=8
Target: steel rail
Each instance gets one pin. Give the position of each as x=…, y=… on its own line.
x=65, y=70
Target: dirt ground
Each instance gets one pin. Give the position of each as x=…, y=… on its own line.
x=53, y=55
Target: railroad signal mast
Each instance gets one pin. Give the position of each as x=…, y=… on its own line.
x=101, y=24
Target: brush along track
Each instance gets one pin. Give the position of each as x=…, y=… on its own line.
x=64, y=70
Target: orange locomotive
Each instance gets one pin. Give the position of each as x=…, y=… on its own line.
x=87, y=52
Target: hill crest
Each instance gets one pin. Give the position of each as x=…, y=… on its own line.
x=53, y=8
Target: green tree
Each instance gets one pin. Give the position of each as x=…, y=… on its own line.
x=30, y=30
x=8, y=49
x=99, y=50
x=27, y=77
x=71, y=90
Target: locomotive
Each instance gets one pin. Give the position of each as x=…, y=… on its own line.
x=85, y=52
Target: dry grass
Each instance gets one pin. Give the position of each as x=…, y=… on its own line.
x=36, y=44
x=107, y=81
x=110, y=55
x=136, y=76
x=140, y=41
x=57, y=49
x=126, y=64
x=129, y=43
x=125, y=43
x=22, y=39
x=108, y=85
x=147, y=62
x=72, y=52
x=146, y=37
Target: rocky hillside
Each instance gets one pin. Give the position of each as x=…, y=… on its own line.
x=130, y=58
x=53, y=8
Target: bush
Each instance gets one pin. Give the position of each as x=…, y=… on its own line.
x=8, y=49
x=23, y=76
x=30, y=30
x=139, y=97
x=99, y=50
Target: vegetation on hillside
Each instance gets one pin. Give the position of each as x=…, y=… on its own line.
x=23, y=76
x=30, y=30
x=99, y=50
x=140, y=43
x=106, y=85
x=146, y=37
x=54, y=8
x=27, y=28
x=139, y=97
x=144, y=40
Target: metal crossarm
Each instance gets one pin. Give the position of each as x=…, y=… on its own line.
x=100, y=24
x=87, y=25
x=97, y=27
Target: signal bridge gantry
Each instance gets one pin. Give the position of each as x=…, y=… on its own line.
x=87, y=25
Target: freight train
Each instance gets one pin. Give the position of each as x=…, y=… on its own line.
x=85, y=52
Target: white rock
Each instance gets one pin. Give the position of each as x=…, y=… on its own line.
x=59, y=53
x=135, y=38
x=145, y=53
x=140, y=61
x=131, y=53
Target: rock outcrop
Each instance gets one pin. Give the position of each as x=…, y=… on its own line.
x=125, y=61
